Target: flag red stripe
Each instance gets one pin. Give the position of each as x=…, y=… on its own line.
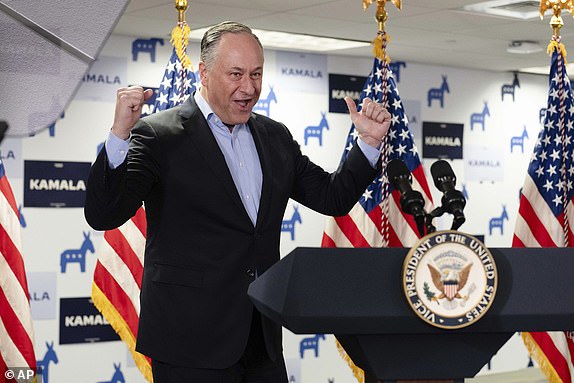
x=407, y=217
x=570, y=343
x=394, y=240
x=122, y=247
x=326, y=241
x=140, y=221
x=516, y=242
x=554, y=355
x=116, y=295
x=351, y=231
x=376, y=215
x=16, y=331
x=536, y=226
x=13, y=258
x=419, y=174
x=8, y=194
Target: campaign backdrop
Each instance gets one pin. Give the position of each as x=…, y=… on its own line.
x=488, y=137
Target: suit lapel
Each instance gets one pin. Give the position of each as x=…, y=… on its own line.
x=261, y=139
x=204, y=142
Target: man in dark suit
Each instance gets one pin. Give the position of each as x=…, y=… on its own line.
x=215, y=180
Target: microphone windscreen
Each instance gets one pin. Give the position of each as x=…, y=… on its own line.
x=439, y=170
x=397, y=169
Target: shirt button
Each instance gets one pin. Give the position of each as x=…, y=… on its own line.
x=241, y=164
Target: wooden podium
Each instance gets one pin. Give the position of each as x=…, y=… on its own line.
x=357, y=295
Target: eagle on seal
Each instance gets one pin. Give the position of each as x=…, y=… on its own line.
x=451, y=282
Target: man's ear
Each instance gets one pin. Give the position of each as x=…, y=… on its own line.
x=203, y=73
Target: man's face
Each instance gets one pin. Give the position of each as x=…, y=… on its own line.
x=232, y=84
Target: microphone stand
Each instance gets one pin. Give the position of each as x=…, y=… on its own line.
x=458, y=219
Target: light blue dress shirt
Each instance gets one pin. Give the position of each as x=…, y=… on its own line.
x=239, y=151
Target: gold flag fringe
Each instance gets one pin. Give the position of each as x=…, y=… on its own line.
x=179, y=36
x=121, y=328
x=357, y=371
x=380, y=47
x=559, y=47
x=538, y=355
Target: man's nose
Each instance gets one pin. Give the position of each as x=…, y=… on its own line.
x=248, y=85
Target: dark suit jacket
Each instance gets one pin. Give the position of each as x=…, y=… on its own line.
x=202, y=249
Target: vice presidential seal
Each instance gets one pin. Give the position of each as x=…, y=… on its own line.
x=450, y=279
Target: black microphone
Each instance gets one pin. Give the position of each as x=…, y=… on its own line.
x=412, y=201
x=453, y=201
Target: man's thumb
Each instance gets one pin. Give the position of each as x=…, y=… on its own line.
x=351, y=105
x=147, y=94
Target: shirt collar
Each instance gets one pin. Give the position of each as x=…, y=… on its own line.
x=202, y=105
x=208, y=113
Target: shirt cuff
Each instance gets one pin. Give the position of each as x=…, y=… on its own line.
x=372, y=154
x=116, y=149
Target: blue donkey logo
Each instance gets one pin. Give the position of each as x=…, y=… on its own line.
x=263, y=105
x=289, y=225
x=498, y=222
x=478, y=118
x=310, y=343
x=395, y=67
x=510, y=88
x=317, y=131
x=42, y=365
x=118, y=376
x=518, y=140
x=438, y=93
x=146, y=46
x=77, y=255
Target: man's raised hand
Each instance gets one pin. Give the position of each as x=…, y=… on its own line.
x=129, y=103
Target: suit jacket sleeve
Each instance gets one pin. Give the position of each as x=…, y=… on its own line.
x=114, y=195
x=336, y=193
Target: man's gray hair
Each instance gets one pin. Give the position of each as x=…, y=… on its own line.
x=213, y=35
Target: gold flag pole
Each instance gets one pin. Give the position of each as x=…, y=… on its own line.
x=180, y=35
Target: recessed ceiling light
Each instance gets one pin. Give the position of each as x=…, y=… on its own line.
x=524, y=47
x=294, y=41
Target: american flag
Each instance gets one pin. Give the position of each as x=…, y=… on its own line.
x=377, y=220
x=176, y=86
x=546, y=213
x=119, y=270
x=16, y=331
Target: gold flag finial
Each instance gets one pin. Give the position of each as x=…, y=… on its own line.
x=380, y=42
x=381, y=16
x=557, y=6
x=556, y=22
x=181, y=6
